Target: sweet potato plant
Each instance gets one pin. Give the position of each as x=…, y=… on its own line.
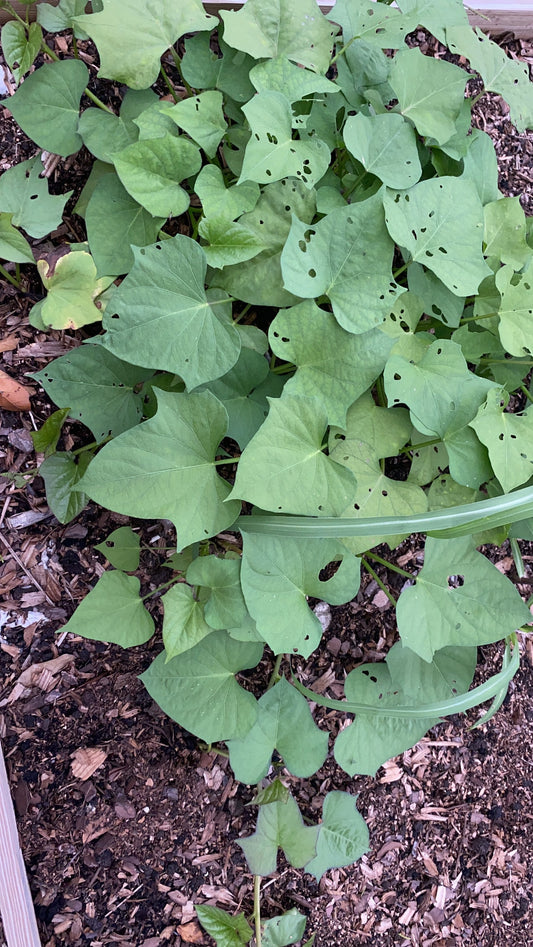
x=309, y=317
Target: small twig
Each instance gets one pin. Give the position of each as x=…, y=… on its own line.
x=32, y=579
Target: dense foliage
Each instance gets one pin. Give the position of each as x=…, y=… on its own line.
x=316, y=309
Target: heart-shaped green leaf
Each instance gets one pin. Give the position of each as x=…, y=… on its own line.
x=113, y=611
x=279, y=825
x=47, y=105
x=342, y=835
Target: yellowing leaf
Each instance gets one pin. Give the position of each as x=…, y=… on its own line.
x=72, y=291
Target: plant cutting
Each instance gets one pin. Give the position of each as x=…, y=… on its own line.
x=305, y=311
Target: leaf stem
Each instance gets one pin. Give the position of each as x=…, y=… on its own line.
x=376, y=577
x=10, y=279
x=257, y=909
x=177, y=63
x=226, y=460
x=283, y=369
x=413, y=447
x=401, y=270
x=341, y=51
x=524, y=391
x=275, y=676
x=91, y=446
x=168, y=83
x=517, y=556
x=160, y=588
x=389, y=565
x=486, y=315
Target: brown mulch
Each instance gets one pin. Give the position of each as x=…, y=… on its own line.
x=126, y=823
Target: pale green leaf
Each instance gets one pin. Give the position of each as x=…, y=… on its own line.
x=24, y=194
x=72, y=291
x=227, y=930
x=438, y=300
x=277, y=575
x=229, y=72
x=145, y=31
x=342, y=835
x=259, y=281
x=151, y=170
x=184, y=623
x=379, y=26
x=445, y=492
x=272, y=153
x=291, y=28
x=201, y=117
x=104, y=133
x=281, y=75
x=437, y=16
x=480, y=165
x=61, y=473
x=505, y=232
x=163, y=318
x=225, y=606
x=113, y=611
x=346, y=256
x=55, y=19
x=283, y=930
x=459, y=598
x=99, y=390
x=241, y=391
x=515, y=310
x=115, y=224
x=403, y=679
x=386, y=146
x=430, y=92
x=339, y=365
x=279, y=825
x=443, y=396
x=122, y=549
x=13, y=246
x=283, y=468
x=152, y=471
x=425, y=221
x=47, y=105
x=19, y=47
x=223, y=202
x=228, y=243
x=508, y=438
x=501, y=74
x=198, y=688
x=284, y=723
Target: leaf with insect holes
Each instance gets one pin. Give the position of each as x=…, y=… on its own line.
x=437, y=299
x=386, y=146
x=201, y=116
x=225, y=606
x=501, y=74
x=227, y=930
x=328, y=359
x=62, y=473
x=24, y=194
x=342, y=835
x=279, y=825
x=291, y=28
x=370, y=434
x=505, y=232
x=424, y=220
x=202, y=68
x=122, y=548
x=47, y=105
x=145, y=31
x=164, y=319
x=346, y=256
x=284, y=929
x=152, y=471
x=376, y=25
x=443, y=397
x=459, y=598
x=99, y=389
x=437, y=16
x=430, y=92
x=515, y=310
x=508, y=438
x=73, y=289
x=184, y=624
x=259, y=281
x=403, y=679
x=284, y=469
x=13, y=246
x=116, y=224
x=278, y=575
x=113, y=611
x=151, y=170
x=272, y=153
x=21, y=47
x=105, y=134
x=198, y=688
x=284, y=723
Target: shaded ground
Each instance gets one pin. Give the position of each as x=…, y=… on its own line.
x=126, y=823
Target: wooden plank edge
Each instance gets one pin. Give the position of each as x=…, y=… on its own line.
x=496, y=17
x=16, y=905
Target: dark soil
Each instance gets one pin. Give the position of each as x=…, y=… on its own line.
x=121, y=852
